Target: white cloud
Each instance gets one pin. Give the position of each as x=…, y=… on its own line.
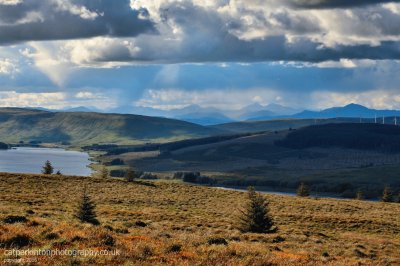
x=221, y=31
x=233, y=99
x=30, y=17
x=48, y=99
x=378, y=99
x=10, y=2
x=55, y=100
x=254, y=19
x=58, y=59
x=99, y=51
x=79, y=10
x=8, y=67
x=99, y=100
x=84, y=95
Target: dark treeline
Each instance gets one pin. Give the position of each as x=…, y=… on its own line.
x=4, y=146
x=112, y=149
x=172, y=146
x=99, y=147
x=342, y=189
x=377, y=137
x=194, y=177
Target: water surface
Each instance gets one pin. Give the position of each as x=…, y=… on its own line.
x=31, y=160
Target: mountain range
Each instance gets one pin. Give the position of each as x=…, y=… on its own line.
x=83, y=126
x=351, y=110
x=254, y=112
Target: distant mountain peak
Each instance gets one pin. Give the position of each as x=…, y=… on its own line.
x=273, y=105
x=355, y=105
x=350, y=110
x=253, y=107
x=77, y=109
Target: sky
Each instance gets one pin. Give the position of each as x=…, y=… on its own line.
x=227, y=54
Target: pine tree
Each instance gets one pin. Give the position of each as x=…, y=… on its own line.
x=130, y=175
x=104, y=172
x=47, y=168
x=86, y=213
x=360, y=195
x=387, y=195
x=303, y=190
x=255, y=215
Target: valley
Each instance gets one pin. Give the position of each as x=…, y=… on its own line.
x=337, y=155
x=259, y=160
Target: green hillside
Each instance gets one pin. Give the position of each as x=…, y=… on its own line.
x=18, y=124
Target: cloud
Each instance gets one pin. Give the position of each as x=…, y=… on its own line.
x=235, y=99
x=12, y=99
x=315, y=4
x=8, y=67
x=223, y=53
x=50, y=61
x=100, y=34
x=249, y=33
x=231, y=99
x=38, y=20
x=378, y=99
x=99, y=51
x=10, y=2
x=55, y=100
x=234, y=31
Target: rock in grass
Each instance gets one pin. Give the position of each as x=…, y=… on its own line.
x=174, y=248
x=217, y=241
x=18, y=241
x=140, y=224
x=11, y=219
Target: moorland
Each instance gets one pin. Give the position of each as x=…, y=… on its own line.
x=167, y=223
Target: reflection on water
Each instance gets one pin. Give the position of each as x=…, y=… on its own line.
x=31, y=160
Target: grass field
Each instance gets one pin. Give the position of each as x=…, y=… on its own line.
x=166, y=223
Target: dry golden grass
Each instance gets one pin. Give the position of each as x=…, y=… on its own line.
x=181, y=219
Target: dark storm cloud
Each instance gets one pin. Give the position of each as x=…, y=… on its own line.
x=209, y=39
x=333, y=3
x=38, y=20
x=189, y=32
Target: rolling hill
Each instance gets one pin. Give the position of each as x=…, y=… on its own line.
x=335, y=158
x=280, y=124
x=77, y=128
x=375, y=137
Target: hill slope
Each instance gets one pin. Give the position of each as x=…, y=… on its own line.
x=87, y=128
x=376, y=137
x=165, y=223
x=280, y=124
